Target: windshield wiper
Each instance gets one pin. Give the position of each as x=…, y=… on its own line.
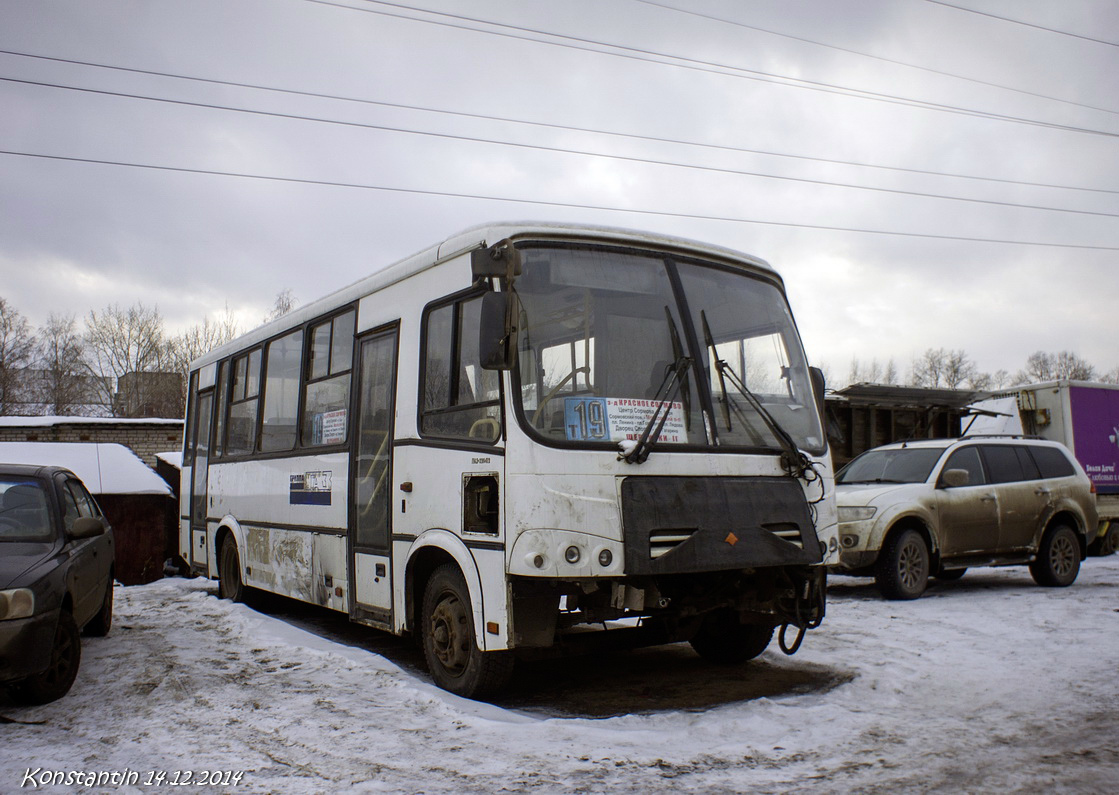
x=666, y=393
x=792, y=459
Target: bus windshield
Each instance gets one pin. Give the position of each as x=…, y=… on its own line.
x=606, y=336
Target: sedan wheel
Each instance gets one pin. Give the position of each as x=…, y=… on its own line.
x=65, y=657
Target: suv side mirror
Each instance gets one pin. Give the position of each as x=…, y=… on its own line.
x=954, y=478
x=87, y=527
x=497, y=331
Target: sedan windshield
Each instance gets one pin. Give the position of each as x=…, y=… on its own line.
x=24, y=515
x=609, y=338
x=911, y=465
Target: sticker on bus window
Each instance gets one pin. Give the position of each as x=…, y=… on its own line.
x=598, y=419
x=334, y=427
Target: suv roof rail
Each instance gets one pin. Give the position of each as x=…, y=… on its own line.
x=1003, y=436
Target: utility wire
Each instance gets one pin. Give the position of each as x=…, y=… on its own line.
x=861, y=54
x=1020, y=22
x=554, y=149
x=545, y=203
x=564, y=127
x=682, y=62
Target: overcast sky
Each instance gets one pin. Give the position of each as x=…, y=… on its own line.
x=922, y=173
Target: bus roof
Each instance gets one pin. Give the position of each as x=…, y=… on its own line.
x=462, y=242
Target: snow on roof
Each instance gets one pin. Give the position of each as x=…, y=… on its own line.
x=43, y=422
x=174, y=458
x=104, y=468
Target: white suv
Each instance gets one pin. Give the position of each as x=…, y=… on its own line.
x=912, y=509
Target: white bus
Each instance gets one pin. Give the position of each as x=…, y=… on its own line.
x=520, y=434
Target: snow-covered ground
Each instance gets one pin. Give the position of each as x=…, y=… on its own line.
x=989, y=684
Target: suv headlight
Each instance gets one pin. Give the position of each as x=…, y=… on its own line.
x=17, y=603
x=855, y=513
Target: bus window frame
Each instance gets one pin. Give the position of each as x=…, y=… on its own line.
x=455, y=300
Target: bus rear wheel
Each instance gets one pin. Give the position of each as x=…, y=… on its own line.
x=230, y=585
x=450, y=646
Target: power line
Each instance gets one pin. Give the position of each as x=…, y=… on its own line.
x=555, y=149
x=1020, y=22
x=861, y=54
x=682, y=62
x=565, y=127
x=545, y=203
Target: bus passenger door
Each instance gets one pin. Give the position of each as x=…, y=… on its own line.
x=199, y=507
x=371, y=501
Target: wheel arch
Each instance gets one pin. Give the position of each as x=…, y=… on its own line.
x=430, y=551
x=228, y=526
x=1071, y=519
x=900, y=524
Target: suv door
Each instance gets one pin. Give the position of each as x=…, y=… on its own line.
x=968, y=515
x=1022, y=496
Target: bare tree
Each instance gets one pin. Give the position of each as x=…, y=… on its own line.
x=1042, y=366
x=873, y=373
x=942, y=368
x=201, y=339
x=284, y=303
x=129, y=358
x=17, y=347
x=62, y=384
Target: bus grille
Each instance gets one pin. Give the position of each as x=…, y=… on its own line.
x=662, y=542
x=786, y=531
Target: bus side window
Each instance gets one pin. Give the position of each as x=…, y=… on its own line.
x=326, y=394
x=243, y=404
x=281, y=392
x=460, y=399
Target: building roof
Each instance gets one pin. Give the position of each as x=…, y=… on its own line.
x=104, y=468
x=922, y=397
x=47, y=421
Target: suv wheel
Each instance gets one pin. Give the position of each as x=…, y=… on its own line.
x=1058, y=558
x=902, y=570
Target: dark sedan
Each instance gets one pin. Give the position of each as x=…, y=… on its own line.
x=56, y=579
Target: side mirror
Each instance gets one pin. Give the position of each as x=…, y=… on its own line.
x=87, y=527
x=816, y=376
x=497, y=331
x=954, y=478
x=499, y=261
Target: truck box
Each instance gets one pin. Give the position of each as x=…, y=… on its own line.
x=1082, y=415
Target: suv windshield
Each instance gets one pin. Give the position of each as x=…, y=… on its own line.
x=911, y=465
x=606, y=335
x=24, y=515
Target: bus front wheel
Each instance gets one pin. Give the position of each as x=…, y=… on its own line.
x=450, y=647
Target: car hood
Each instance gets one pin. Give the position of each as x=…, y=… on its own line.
x=879, y=494
x=19, y=557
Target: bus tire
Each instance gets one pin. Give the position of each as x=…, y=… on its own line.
x=1058, y=558
x=450, y=647
x=230, y=585
x=722, y=639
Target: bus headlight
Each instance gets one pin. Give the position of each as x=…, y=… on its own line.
x=855, y=513
x=572, y=554
x=17, y=603
x=605, y=558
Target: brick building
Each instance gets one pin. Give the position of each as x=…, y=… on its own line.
x=144, y=437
